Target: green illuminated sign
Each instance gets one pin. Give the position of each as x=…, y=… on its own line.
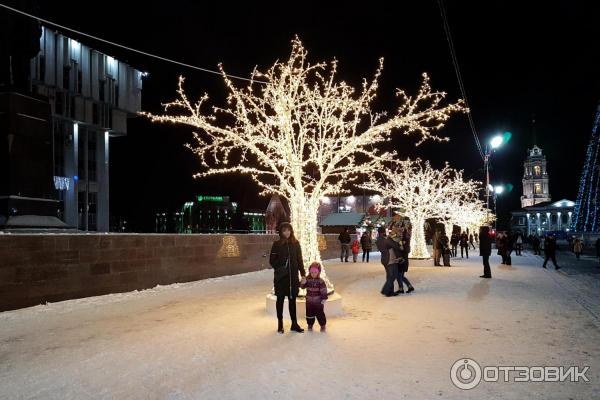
x=210, y=198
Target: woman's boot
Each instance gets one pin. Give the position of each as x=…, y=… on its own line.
x=280, y=326
x=296, y=328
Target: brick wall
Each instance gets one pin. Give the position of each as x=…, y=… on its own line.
x=35, y=269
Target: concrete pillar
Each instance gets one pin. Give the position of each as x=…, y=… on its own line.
x=71, y=171
x=102, y=206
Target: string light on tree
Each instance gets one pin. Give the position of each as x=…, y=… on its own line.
x=301, y=133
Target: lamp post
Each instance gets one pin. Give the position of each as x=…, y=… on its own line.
x=495, y=143
x=498, y=189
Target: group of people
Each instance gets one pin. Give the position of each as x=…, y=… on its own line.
x=444, y=248
x=347, y=245
x=286, y=260
x=394, y=249
x=287, y=264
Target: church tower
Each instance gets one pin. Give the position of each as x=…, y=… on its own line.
x=535, y=179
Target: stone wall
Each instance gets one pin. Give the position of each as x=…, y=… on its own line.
x=40, y=268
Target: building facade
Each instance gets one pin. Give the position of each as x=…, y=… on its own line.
x=91, y=96
x=543, y=218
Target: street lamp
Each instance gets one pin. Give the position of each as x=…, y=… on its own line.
x=496, y=141
x=494, y=144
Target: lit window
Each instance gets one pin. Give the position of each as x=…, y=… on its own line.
x=537, y=171
x=538, y=188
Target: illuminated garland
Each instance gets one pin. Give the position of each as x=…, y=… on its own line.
x=586, y=215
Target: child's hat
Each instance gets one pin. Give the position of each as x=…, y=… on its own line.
x=315, y=265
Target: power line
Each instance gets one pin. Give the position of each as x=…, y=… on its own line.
x=459, y=77
x=126, y=47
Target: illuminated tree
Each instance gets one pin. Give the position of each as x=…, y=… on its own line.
x=301, y=133
x=422, y=192
x=467, y=211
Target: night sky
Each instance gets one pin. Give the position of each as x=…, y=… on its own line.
x=518, y=62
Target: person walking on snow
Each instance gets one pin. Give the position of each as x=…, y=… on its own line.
x=550, y=248
x=464, y=245
x=367, y=245
x=519, y=245
x=535, y=243
x=316, y=296
x=577, y=247
x=345, y=240
x=454, y=239
x=471, y=241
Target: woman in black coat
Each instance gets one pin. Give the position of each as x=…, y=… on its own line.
x=286, y=260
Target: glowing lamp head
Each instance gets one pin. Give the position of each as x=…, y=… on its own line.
x=499, y=189
x=496, y=141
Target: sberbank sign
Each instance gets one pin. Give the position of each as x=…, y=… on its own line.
x=210, y=198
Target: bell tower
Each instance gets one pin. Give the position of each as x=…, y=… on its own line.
x=536, y=187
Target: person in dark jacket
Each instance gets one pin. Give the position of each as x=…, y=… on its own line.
x=598, y=248
x=367, y=245
x=535, y=243
x=454, y=239
x=464, y=245
x=286, y=260
x=485, y=250
x=437, y=248
x=345, y=241
x=550, y=248
x=510, y=245
x=501, y=246
x=472, y=241
x=404, y=241
x=445, y=249
x=389, y=259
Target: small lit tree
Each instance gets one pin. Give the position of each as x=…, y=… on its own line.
x=301, y=133
x=422, y=192
x=466, y=212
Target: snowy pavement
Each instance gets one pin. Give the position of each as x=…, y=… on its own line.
x=213, y=340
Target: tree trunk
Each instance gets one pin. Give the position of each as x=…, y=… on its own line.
x=418, y=246
x=304, y=221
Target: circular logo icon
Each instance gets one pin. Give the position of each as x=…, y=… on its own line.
x=465, y=373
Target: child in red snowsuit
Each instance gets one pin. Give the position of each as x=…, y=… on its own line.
x=316, y=295
x=355, y=249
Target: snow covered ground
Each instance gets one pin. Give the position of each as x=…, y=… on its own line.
x=213, y=340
